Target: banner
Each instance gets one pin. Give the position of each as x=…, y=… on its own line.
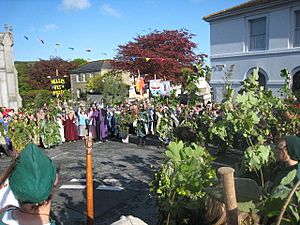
x=58, y=87
x=154, y=87
x=165, y=87
x=159, y=87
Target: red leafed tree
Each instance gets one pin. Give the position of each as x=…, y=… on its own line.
x=44, y=69
x=163, y=53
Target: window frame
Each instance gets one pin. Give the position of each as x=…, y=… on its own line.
x=249, y=20
x=296, y=29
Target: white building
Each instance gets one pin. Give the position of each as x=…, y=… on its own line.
x=258, y=33
x=9, y=90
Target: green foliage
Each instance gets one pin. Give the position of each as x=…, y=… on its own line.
x=24, y=69
x=110, y=85
x=257, y=156
x=79, y=62
x=273, y=202
x=36, y=98
x=180, y=181
x=49, y=132
x=19, y=134
x=286, y=89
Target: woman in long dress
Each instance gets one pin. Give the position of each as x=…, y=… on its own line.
x=70, y=127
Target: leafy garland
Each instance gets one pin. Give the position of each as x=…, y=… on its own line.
x=257, y=119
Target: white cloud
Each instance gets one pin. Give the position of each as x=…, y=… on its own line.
x=50, y=27
x=74, y=5
x=108, y=10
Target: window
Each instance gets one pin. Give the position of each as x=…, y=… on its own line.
x=258, y=28
x=83, y=77
x=297, y=29
x=77, y=78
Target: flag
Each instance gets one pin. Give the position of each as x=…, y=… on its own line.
x=147, y=59
x=88, y=50
x=57, y=45
x=71, y=48
x=41, y=41
x=26, y=37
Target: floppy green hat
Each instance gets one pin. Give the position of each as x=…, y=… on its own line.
x=33, y=177
x=293, y=147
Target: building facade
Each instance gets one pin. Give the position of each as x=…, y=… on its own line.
x=9, y=90
x=80, y=76
x=262, y=34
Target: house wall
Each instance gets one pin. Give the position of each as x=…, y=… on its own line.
x=229, y=46
x=75, y=85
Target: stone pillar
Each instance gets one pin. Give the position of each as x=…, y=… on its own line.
x=9, y=89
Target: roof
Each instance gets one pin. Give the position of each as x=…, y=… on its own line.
x=247, y=6
x=91, y=67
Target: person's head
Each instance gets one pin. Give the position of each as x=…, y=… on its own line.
x=34, y=176
x=288, y=149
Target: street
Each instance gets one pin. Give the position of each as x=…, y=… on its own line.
x=121, y=172
x=124, y=169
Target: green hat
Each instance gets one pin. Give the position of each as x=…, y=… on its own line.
x=33, y=178
x=293, y=147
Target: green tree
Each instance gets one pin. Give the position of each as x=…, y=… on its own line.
x=79, y=62
x=110, y=85
x=24, y=69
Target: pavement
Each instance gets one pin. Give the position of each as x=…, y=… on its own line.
x=121, y=173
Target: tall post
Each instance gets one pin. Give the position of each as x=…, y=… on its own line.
x=57, y=97
x=89, y=181
x=227, y=179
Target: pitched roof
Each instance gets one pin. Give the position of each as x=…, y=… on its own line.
x=250, y=5
x=91, y=67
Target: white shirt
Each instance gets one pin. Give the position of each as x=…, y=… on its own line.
x=6, y=196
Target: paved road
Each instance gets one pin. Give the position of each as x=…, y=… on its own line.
x=127, y=168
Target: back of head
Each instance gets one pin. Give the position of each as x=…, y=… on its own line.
x=33, y=178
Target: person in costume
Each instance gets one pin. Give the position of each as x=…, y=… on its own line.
x=70, y=127
x=82, y=120
x=32, y=182
x=142, y=127
x=288, y=155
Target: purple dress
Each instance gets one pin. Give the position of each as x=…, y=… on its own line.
x=103, y=131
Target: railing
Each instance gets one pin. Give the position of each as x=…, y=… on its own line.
x=258, y=42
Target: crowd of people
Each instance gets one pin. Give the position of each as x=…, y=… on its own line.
x=100, y=122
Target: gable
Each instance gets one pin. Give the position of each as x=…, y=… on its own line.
x=245, y=7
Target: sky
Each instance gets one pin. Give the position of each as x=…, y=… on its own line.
x=69, y=28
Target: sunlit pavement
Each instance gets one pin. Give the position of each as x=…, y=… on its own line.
x=121, y=172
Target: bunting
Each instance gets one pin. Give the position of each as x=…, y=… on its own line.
x=41, y=40
x=132, y=58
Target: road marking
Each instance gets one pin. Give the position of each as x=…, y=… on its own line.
x=109, y=188
x=73, y=186
x=80, y=180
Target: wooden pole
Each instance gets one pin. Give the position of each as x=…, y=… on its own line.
x=89, y=181
x=227, y=179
